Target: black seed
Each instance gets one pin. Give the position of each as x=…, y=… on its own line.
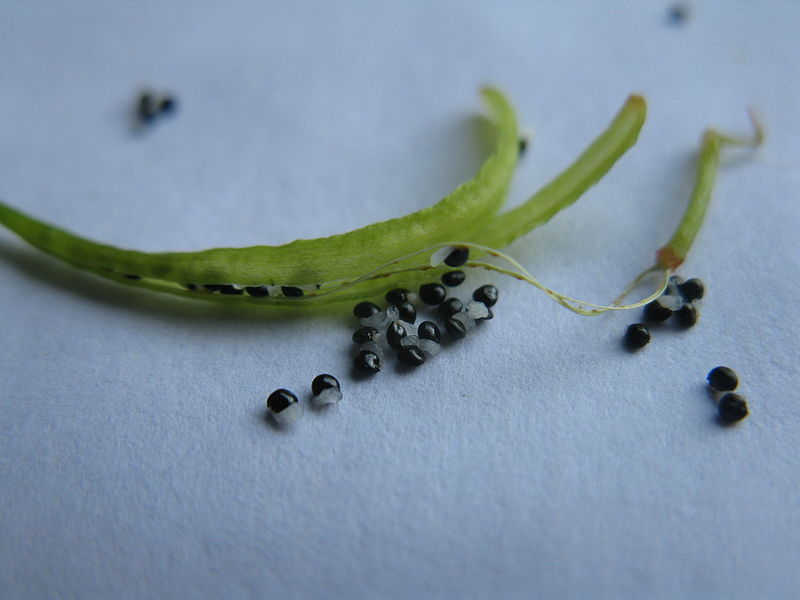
x=367, y=361
x=732, y=408
x=637, y=336
x=457, y=257
x=259, y=291
x=129, y=276
x=411, y=355
x=692, y=289
x=291, y=291
x=522, y=145
x=655, y=312
x=280, y=399
x=687, y=315
x=213, y=287
x=364, y=334
x=722, y=379
x=323, y=382
x=432, y=294
x=167, y=104
x=146, y=108
x=394, y=333
x=455, y=328
x=453, y=278
x=487, y=294
x=408, y=312
x=362, y=310
x=428, y=330
x=451, y=306
x=231, y=290
x=397, y=295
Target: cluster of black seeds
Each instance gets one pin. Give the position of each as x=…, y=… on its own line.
x=680, y=302
x=150, y=106
x=732, y=407
x=285, y=408
x=256, y=291
x=393, y=328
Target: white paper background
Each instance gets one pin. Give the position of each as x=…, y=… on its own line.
x=535, y=459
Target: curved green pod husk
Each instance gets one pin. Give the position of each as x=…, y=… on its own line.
x=311, y=261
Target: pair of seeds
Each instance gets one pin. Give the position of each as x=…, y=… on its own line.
x=732, y=407
x=149, y=106
x=681, y=301
x=285, y=408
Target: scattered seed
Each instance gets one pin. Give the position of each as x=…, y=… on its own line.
x=408, y=311
x=397, y=295
x=637, y=336
x=167, y=105
x=451, y=306
x=457, y=257
x=395, y=333
x=367, y=361
x=692, y=289
x=432, y=294
x=453, y=278
x=146, y=108
x=487, y=294
x=362, y=310
x=732, y=408
x=687, y=315
x=260, y=291
x=364, y=334
x=455, y=328
x=428, y=330
x=411, y=355
x=284, y=406
x=722, y=379
x=657, y=312
x=291, y=291
x=326, y=389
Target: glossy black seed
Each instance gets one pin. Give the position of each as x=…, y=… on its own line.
x=280, y=399
x=411, y=355
x=522, y=145
x=457, y=257
x=732, y=408
x=323, y=382
x=130, y=276
x=231, y=290
x=167, y=104
x=394, y=333
x=487, y=294
x=397, y=295
x=451, y=306
x=655, y=312
x=432, y=294
x=637, y=336
x=146, y=108
x=453, y=278
x=408, y=312
x=687, y=315
x=455, y=328
x=213, y=287
x=692, y=289
x=362, y=310
x=259, y=291
x=722, y=379
x=428, y=330
x=364, y=334
x=367, y=361
x=291, y=291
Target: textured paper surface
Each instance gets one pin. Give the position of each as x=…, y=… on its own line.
x=534, y=459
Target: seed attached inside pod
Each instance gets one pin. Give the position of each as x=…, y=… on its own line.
x=284, y=406
x=722, y=379
x=457, y=257
x=732, y=408
x=637, y=336
x=326, y=389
